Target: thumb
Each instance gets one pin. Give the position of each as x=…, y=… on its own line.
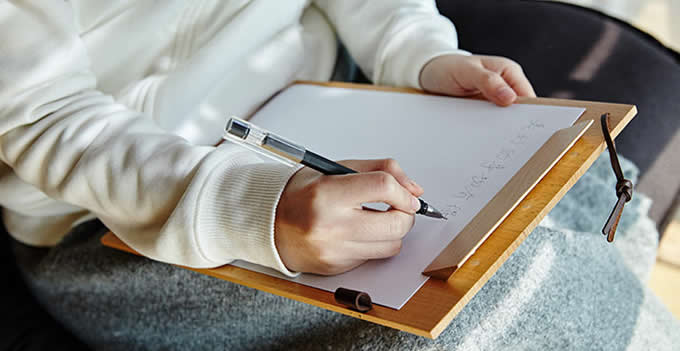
x=493, y=86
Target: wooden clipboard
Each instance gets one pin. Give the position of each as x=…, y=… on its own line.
x=498, y=229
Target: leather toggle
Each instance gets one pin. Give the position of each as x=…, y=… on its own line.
x=624, y=187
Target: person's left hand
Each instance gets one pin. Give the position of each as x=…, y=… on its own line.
x=498, y=79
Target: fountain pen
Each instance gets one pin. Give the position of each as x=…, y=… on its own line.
x=282, y=150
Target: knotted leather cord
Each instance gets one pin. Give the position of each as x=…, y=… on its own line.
x=624, y=187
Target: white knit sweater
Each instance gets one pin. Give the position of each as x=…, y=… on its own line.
x=110, y=108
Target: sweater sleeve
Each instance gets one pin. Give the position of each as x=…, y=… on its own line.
x=392, y=40
x=170, y=200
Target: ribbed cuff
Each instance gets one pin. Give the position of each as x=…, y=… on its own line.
x=237, y=210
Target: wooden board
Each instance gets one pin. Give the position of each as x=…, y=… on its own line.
x=504, y=202
x=433, y=307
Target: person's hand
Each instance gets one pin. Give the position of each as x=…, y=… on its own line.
x=498, y=79
x=321, y=226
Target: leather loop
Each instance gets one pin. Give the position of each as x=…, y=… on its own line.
x=624, y=187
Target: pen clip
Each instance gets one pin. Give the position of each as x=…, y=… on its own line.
x=262, y=142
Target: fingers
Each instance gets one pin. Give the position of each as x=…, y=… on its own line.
x=511, y=72
x=493, y=86
x=381, y=180
x=370, y=235
x=348, y=255
x=379, y=186
x=320, y=225
x=379, y=226
x=386, y=165
x=373, y=250
x=514, y=76
x=498, y=79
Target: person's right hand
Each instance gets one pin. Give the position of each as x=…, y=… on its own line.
x=321, y=226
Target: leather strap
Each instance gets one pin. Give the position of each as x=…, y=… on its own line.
x=624, y=187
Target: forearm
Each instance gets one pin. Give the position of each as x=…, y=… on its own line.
x=170, y=200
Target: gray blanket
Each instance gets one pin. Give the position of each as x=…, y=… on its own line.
x=564, y=288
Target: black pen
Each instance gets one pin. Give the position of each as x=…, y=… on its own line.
x=280, y=149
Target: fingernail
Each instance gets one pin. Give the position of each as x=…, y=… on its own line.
x=415, y=203
x=414, y=184
x=505, y=94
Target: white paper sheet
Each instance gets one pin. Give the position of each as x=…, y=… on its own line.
x=461, y=151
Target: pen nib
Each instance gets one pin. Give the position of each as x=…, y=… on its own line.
x=434, y=213
x=429, y=211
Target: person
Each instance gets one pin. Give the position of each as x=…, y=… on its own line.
x=111, y=110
